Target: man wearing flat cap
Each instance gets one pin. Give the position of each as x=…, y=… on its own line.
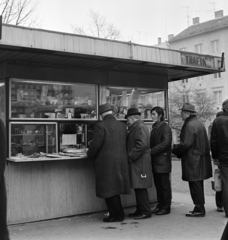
x=138, y=146
x=194, y=151
x=219, y=149
x=108, y=148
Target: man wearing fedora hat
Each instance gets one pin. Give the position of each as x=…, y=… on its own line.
x=138, y=146
x=194, y=152
x=108, y=148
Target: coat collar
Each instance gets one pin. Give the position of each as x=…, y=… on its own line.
x=158, y=124
x=188, y=119
x=110, y=116
x=134, y=125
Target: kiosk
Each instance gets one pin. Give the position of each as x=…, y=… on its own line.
x=51, y=84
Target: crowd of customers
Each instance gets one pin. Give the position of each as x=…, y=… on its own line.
x=130, y=157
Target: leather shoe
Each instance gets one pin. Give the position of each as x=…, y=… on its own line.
x=195, y=214
x=142, y=216
x=112, y=219
x=220, y=209
x=163, y=212
x=155, y=210
x=134, y=214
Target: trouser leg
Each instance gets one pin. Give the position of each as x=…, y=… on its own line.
x=142, y=200
x=218, y=199
x=114, y=206
x=163, y=188
x=3, y=216
x=158, y=186
x=166, y=189
x=197, y=194
x=224, y=175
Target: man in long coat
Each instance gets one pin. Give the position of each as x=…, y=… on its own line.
x=108, y=147
x=160, y=144
x=194, y=152
x=138, y=145
x=219, y=149
x=4, y=235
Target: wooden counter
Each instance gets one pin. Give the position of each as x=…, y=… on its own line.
x=40, y=190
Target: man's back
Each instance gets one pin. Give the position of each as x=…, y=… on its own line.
x=219, y=137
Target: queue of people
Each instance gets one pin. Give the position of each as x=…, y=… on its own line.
x=131, y=158
x=126, y=159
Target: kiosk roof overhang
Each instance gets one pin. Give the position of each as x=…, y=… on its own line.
x=47, y=48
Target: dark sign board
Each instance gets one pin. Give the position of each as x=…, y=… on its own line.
x=197, y=60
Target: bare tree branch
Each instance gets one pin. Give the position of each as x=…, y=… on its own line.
x=19, y=12
x=98, y=27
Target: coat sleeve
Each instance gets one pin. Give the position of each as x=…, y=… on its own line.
x=214, y=141
x=186, y=141
x=3, y=147
x=140, y=143
x=97, y=141
x=165, y=143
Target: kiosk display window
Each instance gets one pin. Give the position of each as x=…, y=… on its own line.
x=122, y=98
x=32, y=140
x=41, y=99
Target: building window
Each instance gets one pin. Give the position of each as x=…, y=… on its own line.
x=200, y=78
x=185, y=80
x=198, y=48
x=217, y=75
x=218, y=96
x=215, y=46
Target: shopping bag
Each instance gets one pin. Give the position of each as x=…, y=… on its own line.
x=217, y=183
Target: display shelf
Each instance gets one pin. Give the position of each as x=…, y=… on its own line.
x=15, y=159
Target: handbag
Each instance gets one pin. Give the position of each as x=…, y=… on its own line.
x=217, y=183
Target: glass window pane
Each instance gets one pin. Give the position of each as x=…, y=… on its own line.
x=32, y=140
x=2, y=101
x=122, y=98
x=40, y=99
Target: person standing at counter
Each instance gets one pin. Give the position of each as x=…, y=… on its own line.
x=108, y=147
x=138, y=145
x=4, y=235
x=160, y=143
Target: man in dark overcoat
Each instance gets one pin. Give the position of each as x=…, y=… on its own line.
x=4, y=235
x=109, y=149
x=194, y=151
x=219, y=149
x=160, y=144
x=138, y=146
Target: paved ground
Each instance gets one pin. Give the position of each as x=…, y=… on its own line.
x=174, y=226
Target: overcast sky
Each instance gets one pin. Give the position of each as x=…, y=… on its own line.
x=141, y=21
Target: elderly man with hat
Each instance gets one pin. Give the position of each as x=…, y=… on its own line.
x=138, y=146
x=219, y=149
x=194, y=151
x=108, y=148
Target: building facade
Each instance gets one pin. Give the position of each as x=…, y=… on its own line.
x=210, y=37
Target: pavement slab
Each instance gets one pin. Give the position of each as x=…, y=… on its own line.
x=174, y=226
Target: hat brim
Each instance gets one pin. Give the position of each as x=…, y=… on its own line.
x=105, y=111
x=132, y=115
x=184, y=110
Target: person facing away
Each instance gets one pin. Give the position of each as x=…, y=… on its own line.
x=194, y=152
x=160, y=144
x=108, y=147
x=138, y=147
x=4, y=234
x=218, y=195
x=219, y=149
